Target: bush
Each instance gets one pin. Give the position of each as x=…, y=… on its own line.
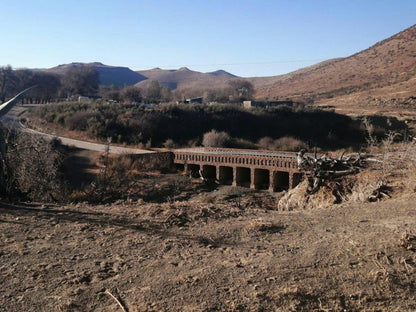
x=79, y=121
x=33, y=168
x=188, y=123
x=286, y=143
x=216, y=139
x=169, y=143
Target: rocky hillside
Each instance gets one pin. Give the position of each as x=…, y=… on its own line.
x=386, y=69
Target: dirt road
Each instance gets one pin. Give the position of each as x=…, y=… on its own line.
x=12, y=120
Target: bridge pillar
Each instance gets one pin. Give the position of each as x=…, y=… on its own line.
x=234, y=176
x=252, y=178
x=271, y=181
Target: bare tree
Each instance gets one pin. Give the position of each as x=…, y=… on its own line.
x=81, y=80
x=241, y=89
x=8, y=82
x=131, y=94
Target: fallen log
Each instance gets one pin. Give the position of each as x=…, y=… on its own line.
x=324, y=168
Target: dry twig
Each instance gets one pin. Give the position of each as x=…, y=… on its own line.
x=319, y=169
x=118, y=301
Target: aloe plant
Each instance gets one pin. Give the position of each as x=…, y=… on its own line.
x=7, y=106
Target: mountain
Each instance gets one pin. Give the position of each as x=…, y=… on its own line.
x=109, y=75
x=186, y=79
x=222, y=73
x=384, y=71
x=182, y=78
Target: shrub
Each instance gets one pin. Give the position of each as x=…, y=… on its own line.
x=169, y=143
x=216, y=139
x=286, y=143
x=33, y=168
x=266, y=143
x=79, y=121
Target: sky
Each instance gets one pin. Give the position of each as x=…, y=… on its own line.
x=245, y=37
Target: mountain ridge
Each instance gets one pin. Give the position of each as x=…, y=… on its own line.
x=387, y=62
x=186, y=79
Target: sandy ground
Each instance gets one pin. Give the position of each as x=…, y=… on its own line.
x=217, y=251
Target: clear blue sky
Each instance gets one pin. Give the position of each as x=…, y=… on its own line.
x=246, y=37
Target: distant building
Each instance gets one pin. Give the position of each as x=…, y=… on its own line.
x=83, y=99
x=194, y=100
x=266, y=104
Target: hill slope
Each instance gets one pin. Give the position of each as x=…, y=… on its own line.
x=386, y=69
x=109, y=75
x=184, y=78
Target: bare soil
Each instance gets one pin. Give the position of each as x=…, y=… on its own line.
x=219, y=250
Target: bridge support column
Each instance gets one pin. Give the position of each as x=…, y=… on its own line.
x=234, y=176
x=271, y=179
x=252, y=178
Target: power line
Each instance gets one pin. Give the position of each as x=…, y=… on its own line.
x=238, y=64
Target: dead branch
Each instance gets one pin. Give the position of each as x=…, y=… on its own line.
x=324, y=168
x=118, y=301
x=379, y=191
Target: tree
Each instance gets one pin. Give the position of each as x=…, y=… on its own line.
x=217, y=95
x=47, y=84
x=82, y=80
x=241, y=89
x=216, y=139
x=153, y=92
x=8, y=82
x=166, y=94
x=131, y=94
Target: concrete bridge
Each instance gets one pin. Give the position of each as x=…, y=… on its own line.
x=267, y=170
